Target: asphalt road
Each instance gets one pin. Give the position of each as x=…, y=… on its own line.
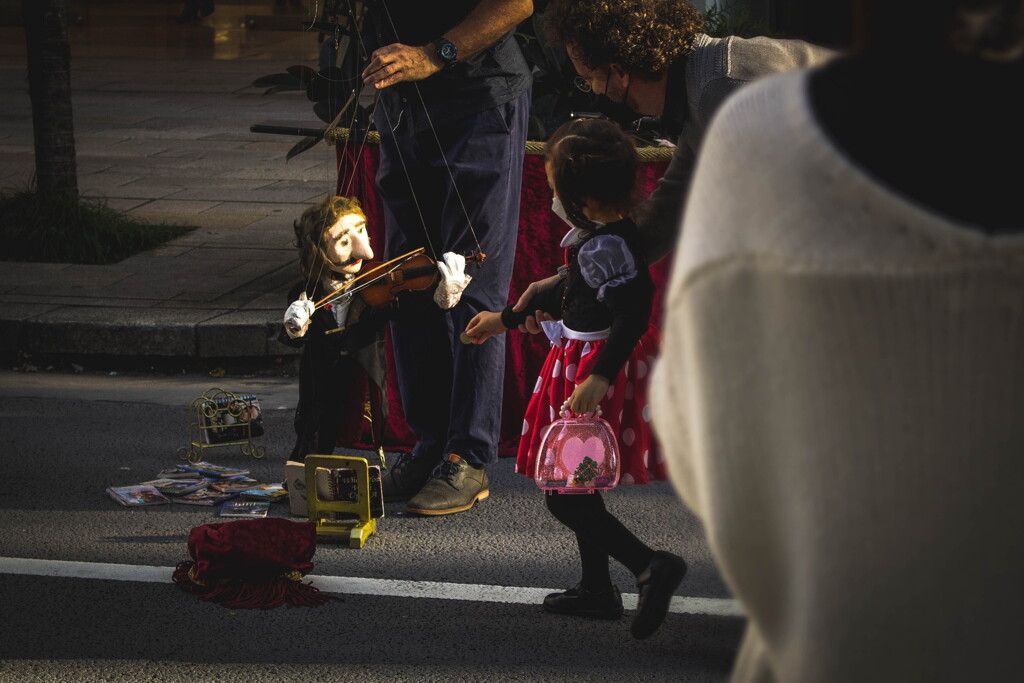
x=65, y=438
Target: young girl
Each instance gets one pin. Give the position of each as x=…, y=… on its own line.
x=601, y=353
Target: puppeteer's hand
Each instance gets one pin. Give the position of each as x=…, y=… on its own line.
x=453, y=280
x=588, y=394
x=297, y=316
x=397, y=62
x=483, y=326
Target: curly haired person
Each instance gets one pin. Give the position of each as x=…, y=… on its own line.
x=652, y=56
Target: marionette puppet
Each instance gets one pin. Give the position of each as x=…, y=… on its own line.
x=337, y=316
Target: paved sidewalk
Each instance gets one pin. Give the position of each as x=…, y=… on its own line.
x=165, y=137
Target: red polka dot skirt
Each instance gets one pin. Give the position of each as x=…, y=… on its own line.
x=625, y=405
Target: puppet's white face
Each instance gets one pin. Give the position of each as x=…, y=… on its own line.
x=347, y=244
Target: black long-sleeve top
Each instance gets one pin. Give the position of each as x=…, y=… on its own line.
x=607, y=286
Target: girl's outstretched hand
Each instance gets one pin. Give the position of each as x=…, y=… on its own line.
x=482, y=327
x=588, y=394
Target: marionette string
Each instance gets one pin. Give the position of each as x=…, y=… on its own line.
x=437, y=139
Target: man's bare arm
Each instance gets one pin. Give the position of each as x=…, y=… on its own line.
x=485, y=24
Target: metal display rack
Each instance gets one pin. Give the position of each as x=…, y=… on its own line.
x=221, y=418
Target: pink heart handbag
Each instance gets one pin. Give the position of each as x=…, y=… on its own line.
x=578, y=454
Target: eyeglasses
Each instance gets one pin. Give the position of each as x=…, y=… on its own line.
x=582, y=84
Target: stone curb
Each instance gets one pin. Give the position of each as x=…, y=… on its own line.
x=84, y=330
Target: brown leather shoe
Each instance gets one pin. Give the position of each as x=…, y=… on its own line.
x=454, y=486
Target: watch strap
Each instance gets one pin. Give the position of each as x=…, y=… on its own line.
x=447, y=51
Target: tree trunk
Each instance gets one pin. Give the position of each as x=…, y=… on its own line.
x=49, y=81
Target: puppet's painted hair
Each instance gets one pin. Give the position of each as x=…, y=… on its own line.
x=310, y=231
x=592, y=159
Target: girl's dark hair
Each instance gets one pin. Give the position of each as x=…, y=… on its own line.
x=591, y=159
x=310, y=230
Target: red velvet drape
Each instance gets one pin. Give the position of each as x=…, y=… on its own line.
x=537, y=257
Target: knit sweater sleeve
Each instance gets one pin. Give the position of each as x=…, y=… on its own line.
x=717, y=68
x=658, y=217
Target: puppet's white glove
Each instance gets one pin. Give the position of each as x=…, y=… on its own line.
x=298, y=315
x=453, y=280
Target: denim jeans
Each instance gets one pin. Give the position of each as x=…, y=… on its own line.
x=451, y=392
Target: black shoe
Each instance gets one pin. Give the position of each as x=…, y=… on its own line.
x=580, y=602
x=187, y=16
x=656, y=586
x=453, y=487
x=205, y=8
x=407, y=476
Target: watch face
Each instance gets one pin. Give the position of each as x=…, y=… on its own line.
x=448, y=52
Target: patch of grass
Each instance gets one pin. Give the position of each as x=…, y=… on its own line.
x=60, y=230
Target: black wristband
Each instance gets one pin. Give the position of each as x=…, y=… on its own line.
x=446, y=51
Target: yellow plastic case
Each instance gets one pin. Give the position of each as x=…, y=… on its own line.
x=357, y=530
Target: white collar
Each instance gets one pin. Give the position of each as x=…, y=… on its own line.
x=576, y=235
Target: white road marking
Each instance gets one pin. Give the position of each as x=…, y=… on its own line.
x=389, y=588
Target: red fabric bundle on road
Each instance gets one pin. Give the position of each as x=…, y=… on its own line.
x=251, y=563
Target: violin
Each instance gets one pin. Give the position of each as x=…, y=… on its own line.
x=381, y=284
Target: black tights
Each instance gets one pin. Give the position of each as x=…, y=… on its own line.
x=600, y=536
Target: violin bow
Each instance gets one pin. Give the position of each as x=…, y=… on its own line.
x=368, y=278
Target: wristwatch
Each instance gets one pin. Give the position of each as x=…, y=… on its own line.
x=447, y=51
